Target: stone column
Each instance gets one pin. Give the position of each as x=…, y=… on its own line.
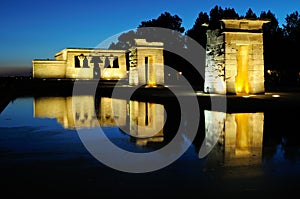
x=81, y=58
x=111, y=61
x=101, y=65
x=91, y=64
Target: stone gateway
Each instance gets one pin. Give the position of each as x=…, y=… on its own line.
x=234, y=58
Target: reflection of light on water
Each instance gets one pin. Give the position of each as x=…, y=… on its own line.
x=242, y=137
x=151, y=86
x=279, y=154
x=146, y=120
x=239, y=137
x=247, y=96
x=275, y=95
x=19, y=112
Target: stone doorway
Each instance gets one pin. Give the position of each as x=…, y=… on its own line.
x=241, y=81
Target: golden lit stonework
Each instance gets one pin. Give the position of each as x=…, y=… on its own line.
x=146, y=64
x=234, y=58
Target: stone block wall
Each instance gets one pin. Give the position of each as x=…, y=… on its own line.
x=79, y=73
x=154, y=73
x=255, y=59
x=215, y=63
x=155, y=69
x=64, y=65
x=115, y=73
x=235, y=58
x=48, y=69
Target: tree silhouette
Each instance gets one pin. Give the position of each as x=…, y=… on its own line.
x=273, y=47
x=292, y=35
x=165, y=20
x=292, y=27
x=125, y=41
x=198, y=31
x=217, y=13
x=250, y=14
x=230, y=13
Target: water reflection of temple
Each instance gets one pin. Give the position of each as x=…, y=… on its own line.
x=235, y=138
x=141, y=120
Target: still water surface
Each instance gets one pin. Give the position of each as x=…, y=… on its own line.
x=233, y=153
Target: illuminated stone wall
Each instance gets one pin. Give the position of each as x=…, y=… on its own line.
x=234, y=58
x=146, y=63
x=215, y=63
x=49, y=69
x=91, y=64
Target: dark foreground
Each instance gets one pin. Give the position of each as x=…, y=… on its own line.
x=45, y=161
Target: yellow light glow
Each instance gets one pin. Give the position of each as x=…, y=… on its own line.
x=242, y=84
x=275, y=95
x=242, y=137
x=247, y=96
x=151, y=84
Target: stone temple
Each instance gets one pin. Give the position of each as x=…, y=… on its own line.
x=234, y=61
x=146, y=64
x=234, y=58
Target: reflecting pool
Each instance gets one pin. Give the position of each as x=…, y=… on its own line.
x=233, y=153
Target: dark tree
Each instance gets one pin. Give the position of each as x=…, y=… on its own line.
x=125, y=41
x=274, y=45
x=292, y=34
x=215, y=15
x=165, y=20
x=148, y=30
x=230, y=13
x=172, y=38
x=250, y=14
x=292, y=27
x=198, y=31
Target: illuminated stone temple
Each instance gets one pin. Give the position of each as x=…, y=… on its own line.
x=146, y=64
x=234, y=58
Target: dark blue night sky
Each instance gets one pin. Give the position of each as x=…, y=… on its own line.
x=38, y=29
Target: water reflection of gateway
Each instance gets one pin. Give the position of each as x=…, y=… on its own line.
x=145, y=120
x=238, y=136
